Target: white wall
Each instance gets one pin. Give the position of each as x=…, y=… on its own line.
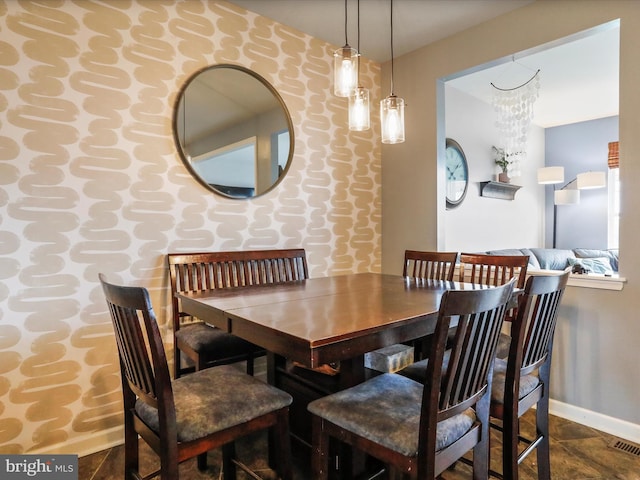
x=482, y=223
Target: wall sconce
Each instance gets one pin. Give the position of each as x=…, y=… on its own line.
x=569, y=194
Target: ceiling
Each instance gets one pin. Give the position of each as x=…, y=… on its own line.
x=579, y=78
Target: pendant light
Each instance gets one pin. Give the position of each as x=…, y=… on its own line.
x=392, y=108
x=359, y=99
x=345, y=65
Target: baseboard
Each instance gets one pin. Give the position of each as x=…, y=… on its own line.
x=87, y=444
x=613, y=426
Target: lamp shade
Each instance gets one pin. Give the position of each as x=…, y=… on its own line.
x=359, y=110
x=549, y=175
x=566, y=197
x=345, y=65
x=392, y=119
x=590, y=180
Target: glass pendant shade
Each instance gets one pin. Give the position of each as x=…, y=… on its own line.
x=345, y=71
x=550, y=175
x=359, y=110
x=566, y=197
x=591, y=180
x=392, y=119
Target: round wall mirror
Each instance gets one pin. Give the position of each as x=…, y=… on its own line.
x=233, y=131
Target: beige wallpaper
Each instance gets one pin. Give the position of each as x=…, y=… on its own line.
x=90, y=182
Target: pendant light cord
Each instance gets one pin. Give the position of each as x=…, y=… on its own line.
x=358, y=42
x=346, y=39
x=391, y=2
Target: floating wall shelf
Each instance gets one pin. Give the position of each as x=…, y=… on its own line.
x=503, y=191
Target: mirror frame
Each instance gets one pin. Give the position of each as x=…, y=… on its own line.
x=178, y=142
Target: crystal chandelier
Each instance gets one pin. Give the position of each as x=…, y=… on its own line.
x=514, y=110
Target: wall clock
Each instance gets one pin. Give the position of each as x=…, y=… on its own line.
x=457, y=172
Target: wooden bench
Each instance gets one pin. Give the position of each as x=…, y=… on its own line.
x=203, y=344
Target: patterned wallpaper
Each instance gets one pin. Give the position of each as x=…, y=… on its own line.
x=90, y=181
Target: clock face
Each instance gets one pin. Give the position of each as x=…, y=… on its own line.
x=457, y=173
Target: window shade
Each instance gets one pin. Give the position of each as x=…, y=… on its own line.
x=614, y=156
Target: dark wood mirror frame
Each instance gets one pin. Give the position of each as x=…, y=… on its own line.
x=222, y=108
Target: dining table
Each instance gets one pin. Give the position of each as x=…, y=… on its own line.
x=308, y=324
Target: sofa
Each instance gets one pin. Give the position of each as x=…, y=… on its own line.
x=582, y=260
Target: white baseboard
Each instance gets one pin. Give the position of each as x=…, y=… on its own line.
x=87, y=444
x=613, y=426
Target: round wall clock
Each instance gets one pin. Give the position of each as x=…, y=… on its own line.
x=457, y=172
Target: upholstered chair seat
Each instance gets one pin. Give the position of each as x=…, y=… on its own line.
x=527, y=382
x=198, y=414
x=386, y=410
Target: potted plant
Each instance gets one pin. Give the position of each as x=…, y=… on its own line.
x=502, y=160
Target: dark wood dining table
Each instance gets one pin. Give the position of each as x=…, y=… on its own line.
x=330, y=320
x=325, y=320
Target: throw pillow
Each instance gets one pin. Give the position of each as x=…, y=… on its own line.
x=593, y=265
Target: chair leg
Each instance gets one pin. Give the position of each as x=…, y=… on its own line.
x=250, y=364
x=169, y=462
x=200, y=363
x=202, y=462
x=320, y=453
x=176, y=362
x=131, y=449
x=228, y=467
x=481, y=450
x=542, y=428
x=510, y=431
x=283, y=441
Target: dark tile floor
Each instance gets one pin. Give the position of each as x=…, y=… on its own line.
x=577, y=453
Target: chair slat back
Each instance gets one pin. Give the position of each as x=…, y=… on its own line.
x=141, y=351
x=479, y=315
x=429, y=265
x=534, y=327
x=493, y=269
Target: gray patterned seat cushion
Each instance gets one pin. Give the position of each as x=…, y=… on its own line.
x=527, y=382
x=202, y=337
x=214, y=399
x=386, y=410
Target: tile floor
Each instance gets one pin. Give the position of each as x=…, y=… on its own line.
x=577, y=453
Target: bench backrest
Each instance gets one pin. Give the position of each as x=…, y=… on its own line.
x=193, y=272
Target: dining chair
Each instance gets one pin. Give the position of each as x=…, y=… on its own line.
x=419, y=429
x=494, y=270
x=186, y=417
x=429, y=265
x=487, y=269
x=203, y=344
x=522, y=380
x=482, y=269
